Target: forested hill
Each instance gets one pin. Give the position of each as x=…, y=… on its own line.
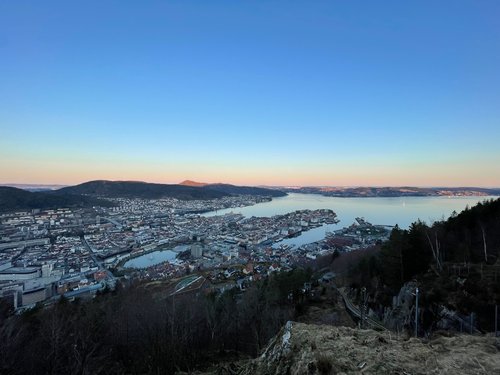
x=471, y=236
x=87, y=194
x=136, y=189
x=17, y=199
x=455, y=263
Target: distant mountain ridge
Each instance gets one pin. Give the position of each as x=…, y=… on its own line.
x=402, y=191
x=188, y=191
x=234, y=189
x=137, y=189
x=193, y=183
x=87, y=194
x=244, y=190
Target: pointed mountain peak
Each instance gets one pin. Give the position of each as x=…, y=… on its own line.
x=193, y=183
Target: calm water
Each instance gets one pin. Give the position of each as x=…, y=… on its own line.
x=385, y=211
x=156, y=257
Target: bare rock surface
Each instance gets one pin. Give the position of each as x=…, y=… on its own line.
x=319, y=349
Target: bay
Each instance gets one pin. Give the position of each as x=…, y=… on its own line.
x=401, y=211
x=155, y=257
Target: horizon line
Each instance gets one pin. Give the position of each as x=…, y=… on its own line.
x=14, y=184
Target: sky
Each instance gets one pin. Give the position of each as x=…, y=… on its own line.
x=341, y=93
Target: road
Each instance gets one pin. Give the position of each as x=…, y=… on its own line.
x=98, y=262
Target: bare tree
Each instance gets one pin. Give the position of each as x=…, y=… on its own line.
x=436, y=250
x=484, y=243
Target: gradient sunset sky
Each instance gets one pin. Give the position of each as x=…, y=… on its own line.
x=251, y=92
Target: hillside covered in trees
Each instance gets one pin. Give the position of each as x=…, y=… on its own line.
x=453, y=262
x=89, y=193
x=139, y=189
x=17, y=199
x=141, y=329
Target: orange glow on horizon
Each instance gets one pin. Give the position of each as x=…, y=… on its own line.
x=62, y=174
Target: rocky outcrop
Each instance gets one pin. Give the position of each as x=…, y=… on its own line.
x=318, y=349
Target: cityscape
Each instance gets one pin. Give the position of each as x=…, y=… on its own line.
x=77, y=252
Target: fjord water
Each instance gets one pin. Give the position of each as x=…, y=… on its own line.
x=155, y=257
x=383, y=211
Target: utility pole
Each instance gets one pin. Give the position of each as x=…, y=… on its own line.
x=416, y=312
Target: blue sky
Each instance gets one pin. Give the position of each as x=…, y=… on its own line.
x=251, y=92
